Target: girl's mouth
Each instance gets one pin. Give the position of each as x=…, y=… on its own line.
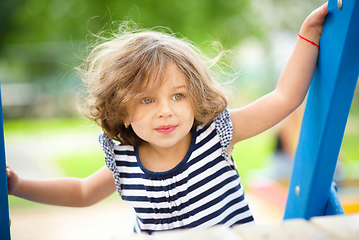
x=168, y=129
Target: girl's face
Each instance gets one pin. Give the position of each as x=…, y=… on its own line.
x=165, y=118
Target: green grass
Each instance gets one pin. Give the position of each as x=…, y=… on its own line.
x=81, y=164
x=15, y=202
x=30, y=126
x=350, y=147
x=253, y=154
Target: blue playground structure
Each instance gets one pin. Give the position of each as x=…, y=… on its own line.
x=4, y=205
x=311, y=190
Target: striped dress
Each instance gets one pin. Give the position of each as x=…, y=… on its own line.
x=203, y=190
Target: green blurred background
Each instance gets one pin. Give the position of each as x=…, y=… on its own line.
x=41, y=41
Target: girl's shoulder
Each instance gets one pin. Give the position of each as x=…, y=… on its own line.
x=106, y=143
x=223, y=118
x=224, y=128
x=220, y=126
x=109, y=146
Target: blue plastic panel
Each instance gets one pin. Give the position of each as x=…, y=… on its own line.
x=334, y=206
x=4, y=205
x=328, y=105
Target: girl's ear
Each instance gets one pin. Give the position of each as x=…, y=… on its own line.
x=127, y=123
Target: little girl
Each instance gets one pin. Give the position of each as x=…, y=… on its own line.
x=168, y=134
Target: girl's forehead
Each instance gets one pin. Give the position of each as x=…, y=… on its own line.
x=170, y=77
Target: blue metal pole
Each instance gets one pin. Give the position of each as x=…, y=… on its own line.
x=328, y=105
x=4, y=205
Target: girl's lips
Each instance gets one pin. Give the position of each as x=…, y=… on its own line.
x=166, y=129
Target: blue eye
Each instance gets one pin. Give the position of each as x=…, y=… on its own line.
x=147, y=101
x=177, y=97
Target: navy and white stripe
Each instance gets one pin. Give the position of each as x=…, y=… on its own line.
x=203, y=190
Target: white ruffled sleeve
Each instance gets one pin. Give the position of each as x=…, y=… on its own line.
x=225, y=131
x=107, y=146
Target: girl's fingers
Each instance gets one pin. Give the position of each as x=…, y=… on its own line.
x=313, y=25
x=325, y=9
x=319, y=15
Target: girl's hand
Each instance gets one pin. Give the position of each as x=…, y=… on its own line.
x=313, y=24
x=13, y=179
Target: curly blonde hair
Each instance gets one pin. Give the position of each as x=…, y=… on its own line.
x=117, y=74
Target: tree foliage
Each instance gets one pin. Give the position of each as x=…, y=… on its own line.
x=41, y=40
x=63, y=20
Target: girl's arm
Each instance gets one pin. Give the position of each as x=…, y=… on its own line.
x=291, y=88
x=72, y=192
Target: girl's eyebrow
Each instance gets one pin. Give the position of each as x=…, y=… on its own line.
x=179, y=87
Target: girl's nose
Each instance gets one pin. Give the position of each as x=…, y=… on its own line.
x=164, y=109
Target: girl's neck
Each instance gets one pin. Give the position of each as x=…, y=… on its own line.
x=158, y=159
